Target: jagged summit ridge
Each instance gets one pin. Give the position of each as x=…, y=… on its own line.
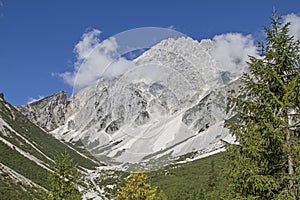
x=190, y=58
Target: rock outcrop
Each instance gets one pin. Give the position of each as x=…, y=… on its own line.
x=48, y=113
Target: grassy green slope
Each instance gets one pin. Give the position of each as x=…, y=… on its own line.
x=10, y=189
x=26, y=137
x=178, y=181
x=43, y=141
x=181, y=181
x=24, y=166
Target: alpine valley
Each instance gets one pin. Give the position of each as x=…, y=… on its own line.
x=167, y=110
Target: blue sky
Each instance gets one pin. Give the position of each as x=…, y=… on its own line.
x=37, y=38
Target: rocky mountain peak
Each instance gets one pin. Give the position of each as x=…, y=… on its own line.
x=171, y=103
x=49, y=113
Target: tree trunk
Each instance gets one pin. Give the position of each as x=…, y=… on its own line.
x=290, y=163
x=290, y=153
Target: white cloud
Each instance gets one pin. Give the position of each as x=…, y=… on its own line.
x=31, y=100
x=171, y=27
x=232, y=50
x=295, y=24
x=95, y=59
x=88, y=42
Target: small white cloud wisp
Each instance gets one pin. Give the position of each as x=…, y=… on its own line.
x=295, y=24
x=95, y=59
x=232, y=50
x=32, y=100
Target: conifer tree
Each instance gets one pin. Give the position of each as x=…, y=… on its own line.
x=137, y=188
x=64, y=180
x=264, y=162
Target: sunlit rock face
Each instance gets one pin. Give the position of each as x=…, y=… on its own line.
x=49, y=113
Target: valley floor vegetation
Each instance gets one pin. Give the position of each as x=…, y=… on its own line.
x=201, y=179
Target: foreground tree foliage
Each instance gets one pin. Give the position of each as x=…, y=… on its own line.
x=137, y=188
x=264, y=163
x=64, y=180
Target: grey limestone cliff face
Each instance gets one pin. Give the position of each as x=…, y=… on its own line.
x=48, y=113
x=212, y=108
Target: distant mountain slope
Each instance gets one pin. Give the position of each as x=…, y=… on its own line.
x=27, y=152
